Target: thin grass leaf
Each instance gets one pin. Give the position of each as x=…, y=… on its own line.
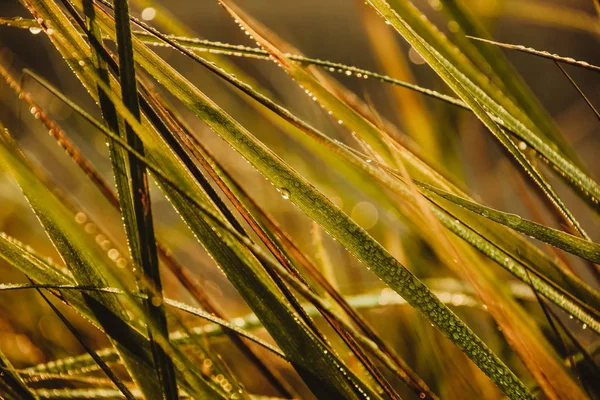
x=270, y=227
x=572, y=81
x=540, y=53
x=138, y=219
x=233, y=191
x=572, y=244
x=316, y=135
x=476, y=98
x=30, y=263
x=72, y=151
x=219, y=324
x=11, y=384
x=115, y=380
x=504, y=110
x=577, y=179
x=177, y=269
x=85, y=266
x=509, y=266
x=470, y=94
x=413, y=113
x=202, y=45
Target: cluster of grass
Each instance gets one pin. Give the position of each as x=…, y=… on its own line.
x=481, y=303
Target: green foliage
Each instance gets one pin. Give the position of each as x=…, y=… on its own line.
x=307, y=334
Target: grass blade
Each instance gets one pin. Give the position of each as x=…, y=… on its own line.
x=138, y=219
x=11, y=384
x=540, y=53
x=573, y=244
x=117, y=382
x=587, y=101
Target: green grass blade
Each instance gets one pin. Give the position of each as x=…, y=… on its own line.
x=85, y=266
x=572, y=82
x=582, y=248
x=97, y=359
x=162, y=176
x=319, y=137
x=109, y=355
x=490, y=250
x=11, y=384
x=138, y=220
x=541, y=53
x=502, y=109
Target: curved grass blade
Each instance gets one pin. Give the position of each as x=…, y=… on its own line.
x=503, y=109
x=270, y=235
x=412, y=111
x=561, y=301
x=164, y=179
x=173, y=265
x=518, y=123
x=477, y=100
x=233, y=191
x=109, y=355
x=89, y=170
x=316, y=135
x=85, y=269
x=523, y=349
x=202, y=45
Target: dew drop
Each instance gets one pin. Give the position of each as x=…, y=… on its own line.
x=35, y=30
x=156, y=301
x=285, y=193
x=522, y=146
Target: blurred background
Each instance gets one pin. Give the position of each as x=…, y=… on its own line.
x=342, y=31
